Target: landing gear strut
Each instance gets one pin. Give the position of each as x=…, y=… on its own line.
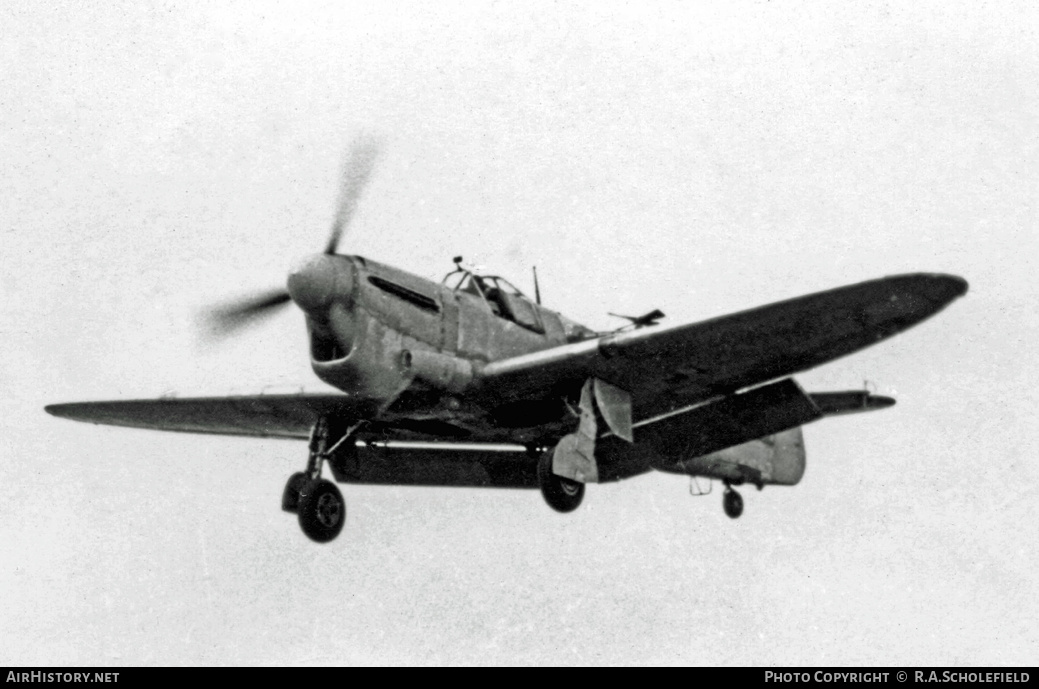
x=316, y=501
x=732, y=502
x=561, y=494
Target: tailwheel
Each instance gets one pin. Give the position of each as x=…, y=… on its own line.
x=561, y=494
x=322, y=510
x=732, y=502
x=290, y=496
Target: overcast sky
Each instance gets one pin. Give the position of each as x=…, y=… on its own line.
x=697, y=158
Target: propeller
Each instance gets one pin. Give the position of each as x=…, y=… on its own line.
x=223, y=320
x=357, y=169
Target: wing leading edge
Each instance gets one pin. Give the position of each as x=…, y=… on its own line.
x=261, y=416
x=669, y=368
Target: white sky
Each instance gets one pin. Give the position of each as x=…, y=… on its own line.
x=698, y=158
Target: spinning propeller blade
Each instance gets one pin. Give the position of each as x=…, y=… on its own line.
x=357, y=169
x=223, y=320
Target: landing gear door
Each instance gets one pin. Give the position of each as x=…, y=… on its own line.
x=615, y=405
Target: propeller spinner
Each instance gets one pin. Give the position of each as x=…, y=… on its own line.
x=307, y=282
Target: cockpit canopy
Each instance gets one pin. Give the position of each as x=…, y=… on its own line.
x=503, y=298
x=466, y=281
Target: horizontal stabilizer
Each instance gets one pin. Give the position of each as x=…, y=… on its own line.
x=777, y=459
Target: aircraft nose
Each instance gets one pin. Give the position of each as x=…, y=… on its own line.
x=317, y=280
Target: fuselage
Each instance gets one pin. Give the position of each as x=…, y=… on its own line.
x=417, y=353
x=376, y=330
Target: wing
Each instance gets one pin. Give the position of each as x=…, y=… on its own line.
x=293, y=416
x=669, y=368
x=263, y=416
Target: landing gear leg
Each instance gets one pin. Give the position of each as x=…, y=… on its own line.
x=316, y=501
x=732, y=502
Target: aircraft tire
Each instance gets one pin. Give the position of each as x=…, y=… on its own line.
x=733, y=504
x=561, y=494
x=290, y=496
x=322, y=510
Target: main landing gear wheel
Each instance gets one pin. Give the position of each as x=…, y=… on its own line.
x=322, y=510
x=561, y=494
x=733, y=503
